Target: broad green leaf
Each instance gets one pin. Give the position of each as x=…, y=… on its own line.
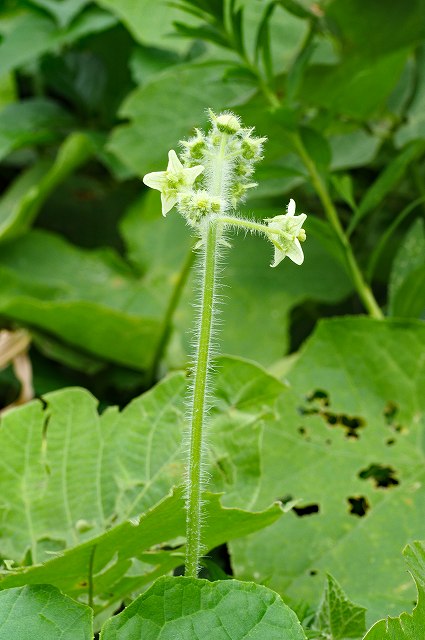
x=406, y=626
x=376, y=28
x=192, y=609
x=316, y=146
x=414, y=555
x=31, y=122
x=89, y=299
x=150, y=23
x=115, y=564
x=409, y=300
x=43, y=613
x=387, y=234
x=162, y=250
x=68, y=490
x=142, y=145
x=406, y=286
x=337, y=617
x=353, y=149
x=414, y=125
x=347, y=443
x=33, y=34
x=64, y=11
x=62, y=481
x=353, y=88
x=387, y=181
x=20, y=205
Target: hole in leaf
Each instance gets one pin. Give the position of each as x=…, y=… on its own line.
x=320, y=396
x=319, y=400
x=308, y=411
x=359, y=505
x=382, y=476
x=308, y=510
x=331, y=418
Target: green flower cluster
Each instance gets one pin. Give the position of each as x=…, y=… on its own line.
x=228, y=151
x=212, y=176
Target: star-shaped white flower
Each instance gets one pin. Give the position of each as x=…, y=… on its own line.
x=173, y=181
x=290, y=235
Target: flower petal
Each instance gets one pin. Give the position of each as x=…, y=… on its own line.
x=168, y=201
x=192, y=173
x=295, y=252
x=290, y=209
x=279, y=255
x=155, y=180
x=174, y=164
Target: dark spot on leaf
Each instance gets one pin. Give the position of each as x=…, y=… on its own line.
x=391, y=409
x=319, y=396
x=331, y=418
x=225, y=469
x=308, y=510
x=308, y=411
x=382, y=476
x=303, y=432
x=328, y=441
x=318, y=403
x=390, y=441
x=359, y=505
x=83, y=583
x=313, y=572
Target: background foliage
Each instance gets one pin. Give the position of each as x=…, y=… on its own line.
x=92, y=96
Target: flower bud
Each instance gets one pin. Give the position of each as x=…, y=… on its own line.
x=227, y=123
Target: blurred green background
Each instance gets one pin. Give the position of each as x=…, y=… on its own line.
x=94, y=94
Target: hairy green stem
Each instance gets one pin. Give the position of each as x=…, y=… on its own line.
x=194, y=472
x=210, y=236
x=250, y=225
x=362, y=288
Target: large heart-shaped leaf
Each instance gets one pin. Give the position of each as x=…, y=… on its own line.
x=116, y=564
x=195, y=609
x=347, y=442
x=71, y=479
x=43, y=613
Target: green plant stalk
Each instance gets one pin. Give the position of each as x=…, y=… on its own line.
x=210, y=235
x=251, y=226
x=362, y=288
x=194, y=472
